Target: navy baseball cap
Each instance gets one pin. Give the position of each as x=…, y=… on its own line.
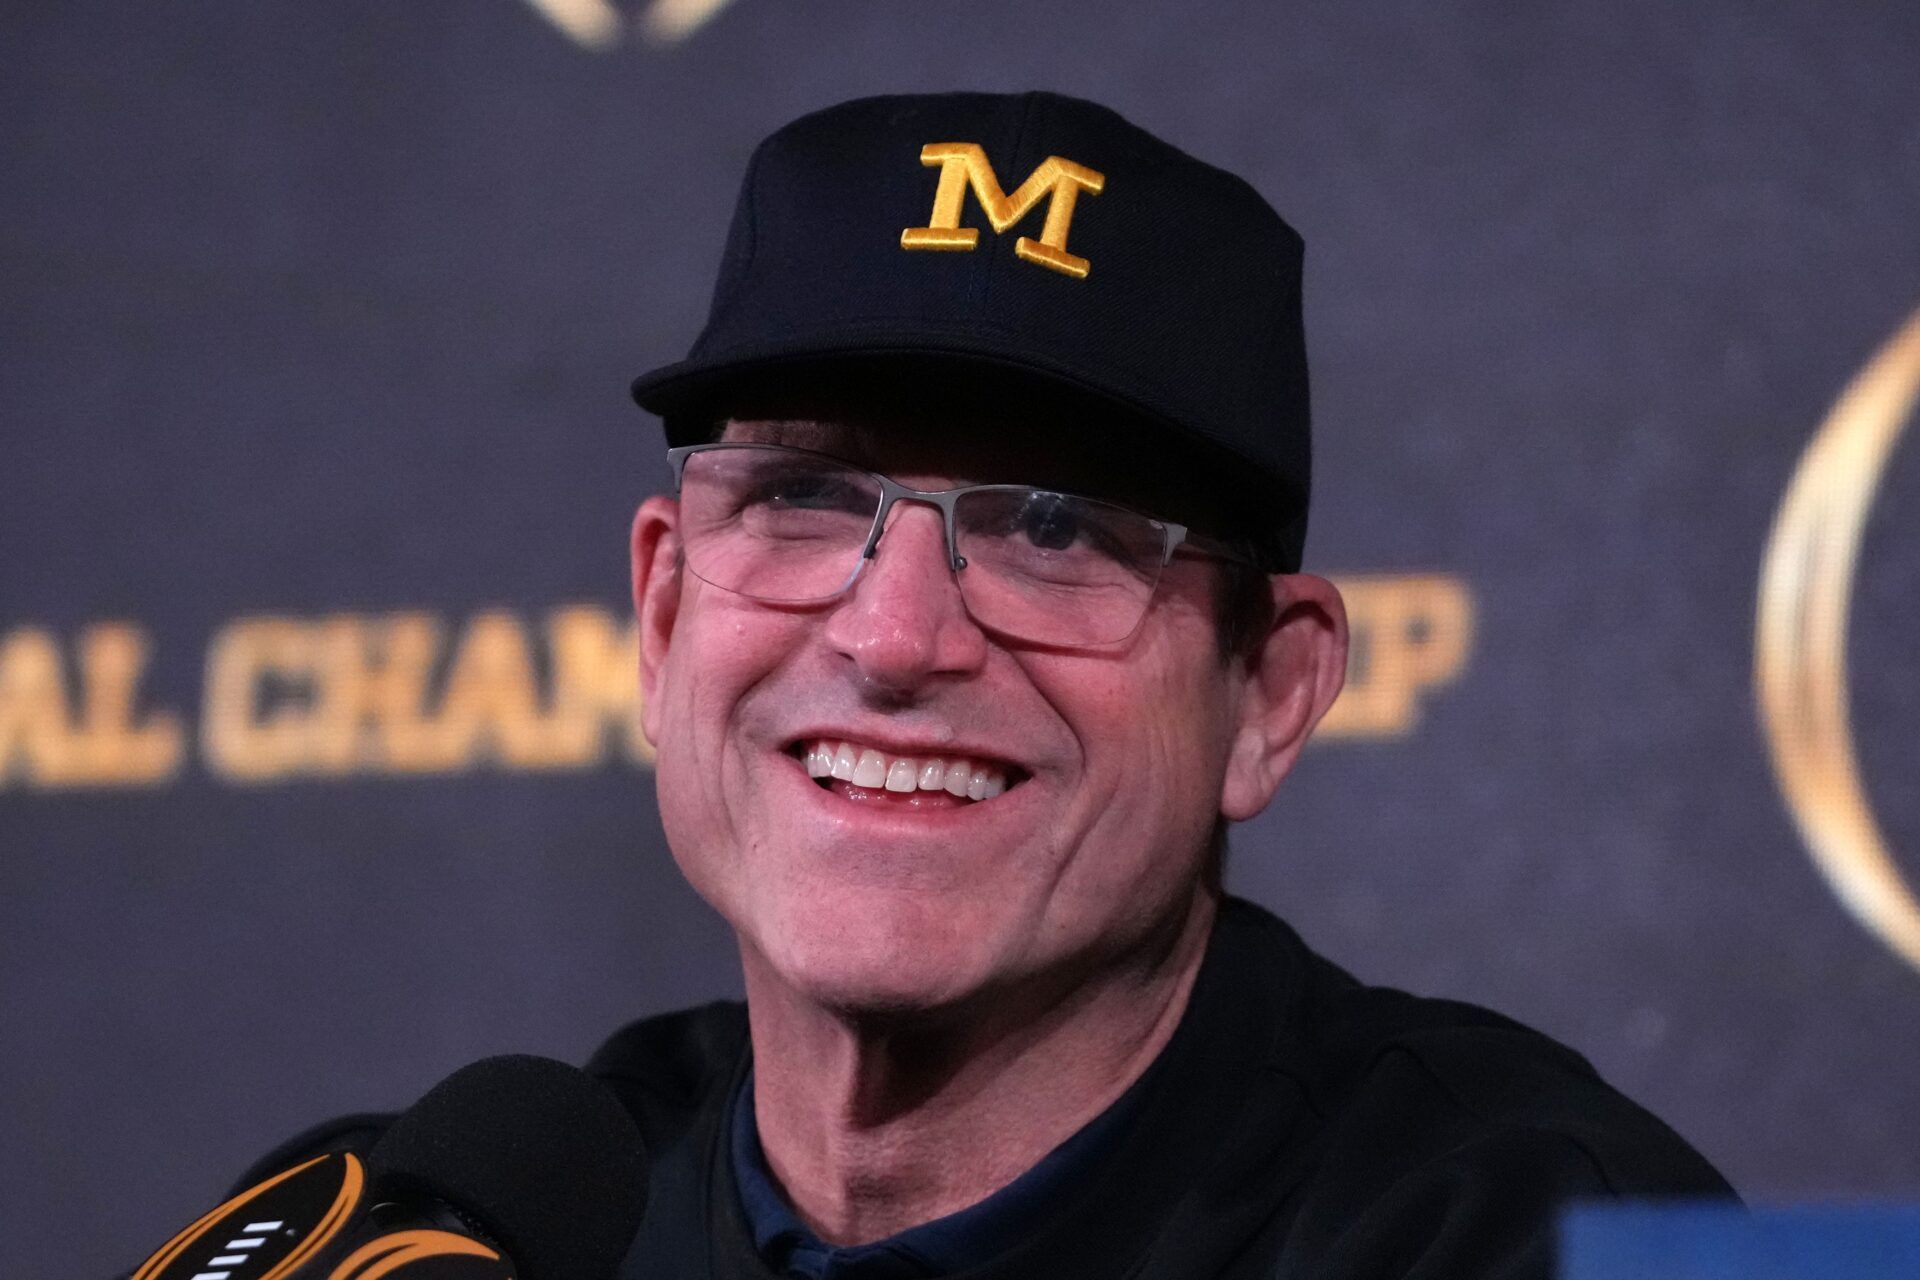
x=1036, y=235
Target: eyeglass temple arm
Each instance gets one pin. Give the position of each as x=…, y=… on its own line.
x=1179, y=537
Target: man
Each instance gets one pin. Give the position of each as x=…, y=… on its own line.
x=1024, y=1033
x=974, y=618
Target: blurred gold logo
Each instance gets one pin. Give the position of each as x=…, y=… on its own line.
x=599, y=25
x=1800, y=641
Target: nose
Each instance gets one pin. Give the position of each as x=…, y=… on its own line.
x=903, y=623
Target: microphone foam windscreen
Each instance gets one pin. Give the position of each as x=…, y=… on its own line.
x=540, y=1155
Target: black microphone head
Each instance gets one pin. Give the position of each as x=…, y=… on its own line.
x=540, y=1155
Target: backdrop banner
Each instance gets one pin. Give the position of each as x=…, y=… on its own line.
x=318, y=767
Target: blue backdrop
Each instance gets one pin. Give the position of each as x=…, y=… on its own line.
x=316, y=773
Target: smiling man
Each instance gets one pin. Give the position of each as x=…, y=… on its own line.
x=973, y=619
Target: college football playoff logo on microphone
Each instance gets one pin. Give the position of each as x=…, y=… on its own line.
x=425, y=1254
x=269, y=1230
x=295, y=1223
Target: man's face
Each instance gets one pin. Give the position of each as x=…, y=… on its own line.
x=868, y=900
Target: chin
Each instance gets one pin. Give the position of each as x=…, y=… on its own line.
x=869, y=954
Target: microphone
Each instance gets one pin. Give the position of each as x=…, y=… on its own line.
x=513, y=1168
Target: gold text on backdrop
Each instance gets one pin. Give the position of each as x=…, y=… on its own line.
x=352, y=694
x=415, y=694
x=1800, y=640
x=101, y=738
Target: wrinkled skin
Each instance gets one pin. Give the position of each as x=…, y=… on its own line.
x=1000, y=969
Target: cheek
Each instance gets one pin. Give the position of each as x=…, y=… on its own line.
x=1155, y=741
x=716, y=660
x=721, y=648
x=1160, y=719
x=693, y=824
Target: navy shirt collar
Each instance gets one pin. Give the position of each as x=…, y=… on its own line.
x=938, y=1248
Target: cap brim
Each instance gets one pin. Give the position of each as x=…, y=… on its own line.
x=699, y=384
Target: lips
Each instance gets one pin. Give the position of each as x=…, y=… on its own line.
x=869, y=768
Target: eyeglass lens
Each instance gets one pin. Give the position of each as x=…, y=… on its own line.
x=787, y=526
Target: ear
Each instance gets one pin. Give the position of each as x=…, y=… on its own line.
x=1286, y=685
x=656, y=595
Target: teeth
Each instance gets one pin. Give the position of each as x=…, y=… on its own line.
x=866, y=767
x=871, y=771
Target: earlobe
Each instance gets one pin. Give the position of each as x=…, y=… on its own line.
x=655, y=549
x=1289, y=682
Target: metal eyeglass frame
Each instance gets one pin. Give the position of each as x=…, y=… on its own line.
x=1174, y=536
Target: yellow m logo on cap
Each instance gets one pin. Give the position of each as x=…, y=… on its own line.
x=964, y=164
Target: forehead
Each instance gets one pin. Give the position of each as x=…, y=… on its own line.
x=957, y=449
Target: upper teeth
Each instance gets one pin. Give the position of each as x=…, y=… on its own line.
x=866, y=767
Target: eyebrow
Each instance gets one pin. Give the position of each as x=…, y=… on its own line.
x=847, y=441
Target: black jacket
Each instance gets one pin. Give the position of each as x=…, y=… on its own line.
x=1300, y=1125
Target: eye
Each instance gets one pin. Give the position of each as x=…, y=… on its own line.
x=1039, y=524
x=1050, y=523
x=809, y=490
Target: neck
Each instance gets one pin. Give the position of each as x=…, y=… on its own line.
x=875, y=1125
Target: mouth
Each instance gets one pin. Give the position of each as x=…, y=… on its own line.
x=861, y=772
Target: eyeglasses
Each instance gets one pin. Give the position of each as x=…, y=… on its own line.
x=791, y=526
